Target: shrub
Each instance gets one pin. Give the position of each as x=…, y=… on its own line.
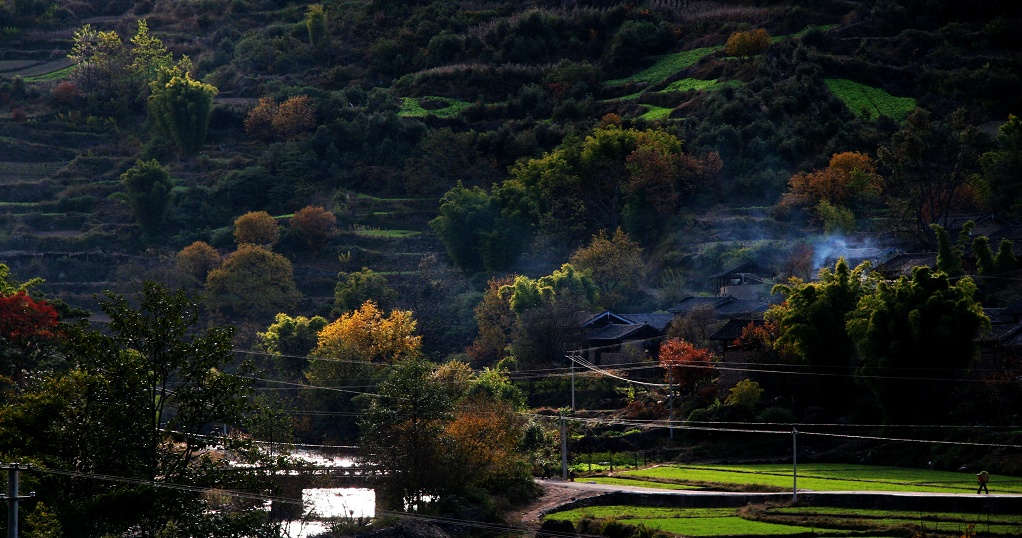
x=314, y=225
x=256, y=227
x=748, y=43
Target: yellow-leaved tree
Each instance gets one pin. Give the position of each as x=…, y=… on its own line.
x=368, y=335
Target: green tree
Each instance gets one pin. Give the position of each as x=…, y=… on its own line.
x=148, y=57
x=354, y=289
x=923, y=328
x=465, y=220
x=252, y=283
x=949, y=255
x=315, y=23
x=811, y=328
x=290, y=339
x=149, y=194
x=149, y=385
x=403, y=429
x=180, y=107
x=543, y=308
x=1002, y=167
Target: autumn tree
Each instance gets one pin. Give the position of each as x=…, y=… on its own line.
x=747, y=43
x=180, y=106
x=149, y=194
x=496, y=324
x=197, y=260
x=294, y=117
x=849, y=183
x=921, y=327
x=256, y=228
x=367, y=334
x=259, y=121
x=686, y=365
x=313, y=225
x=28, y=332
x=615, y=264
x=252, y=283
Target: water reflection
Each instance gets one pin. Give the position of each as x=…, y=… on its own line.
x=331, y=504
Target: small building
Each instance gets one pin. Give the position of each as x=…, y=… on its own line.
x=749, y=280
x=903, y=264
x=723, y=307
x=610, y=338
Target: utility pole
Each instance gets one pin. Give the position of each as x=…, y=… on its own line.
x=564, y=448
x=572, y=358
x=13, y=497
x=794, y=465
x=670, y=397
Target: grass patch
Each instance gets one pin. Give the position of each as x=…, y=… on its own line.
x=688, y=84
x=411, y=107
x=824, y=477
x=384, y=234
x=654, y=113
x=636, y=482
x=869, y=101
x=684, y=521
x=667, y=65
x=52, y=75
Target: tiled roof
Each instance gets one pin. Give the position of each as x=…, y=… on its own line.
x=723, y=307
x=657, y=321
x=733, y=329
x=902, y=264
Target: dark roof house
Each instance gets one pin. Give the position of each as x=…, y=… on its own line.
x=723, y=307
x=610, y=337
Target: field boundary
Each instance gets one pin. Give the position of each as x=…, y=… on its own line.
x=895, y=501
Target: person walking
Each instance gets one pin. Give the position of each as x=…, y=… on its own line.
x=983, y=477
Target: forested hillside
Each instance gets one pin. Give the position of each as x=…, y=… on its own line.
x=352, y=188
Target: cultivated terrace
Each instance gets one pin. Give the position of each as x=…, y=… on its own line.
x=432, y=228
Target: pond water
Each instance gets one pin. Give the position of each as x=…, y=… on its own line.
x=331, y=502
x=319, y=503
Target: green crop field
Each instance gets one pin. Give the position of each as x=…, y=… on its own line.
x=668, y=65
x=870, y=101
x=411, y=107
x=791, y=521
x=687, y=84
x=818, y=477
x=656, y=112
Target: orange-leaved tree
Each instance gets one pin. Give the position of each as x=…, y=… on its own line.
x=686, y=364
x=197, y=260
x=314, y=225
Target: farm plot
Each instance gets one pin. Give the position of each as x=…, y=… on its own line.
x=869, y=101
x=765, y=520
x=816, y=477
